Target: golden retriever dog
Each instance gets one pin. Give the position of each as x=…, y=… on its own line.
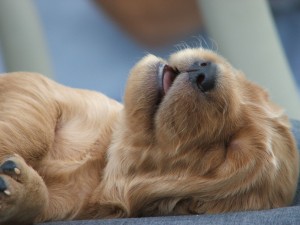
x=194, y=136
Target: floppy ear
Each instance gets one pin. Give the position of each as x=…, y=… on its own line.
x=247, y=172
x=182, y=194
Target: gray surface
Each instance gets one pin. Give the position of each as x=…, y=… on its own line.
x=287, y=215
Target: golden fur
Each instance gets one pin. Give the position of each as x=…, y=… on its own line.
x=81, y=155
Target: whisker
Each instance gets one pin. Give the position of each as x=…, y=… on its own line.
x=198, y=38
x=214, y=45
x=205, y=42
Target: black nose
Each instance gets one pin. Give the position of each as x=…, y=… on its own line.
x=203, y=75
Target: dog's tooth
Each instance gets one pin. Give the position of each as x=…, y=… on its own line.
x=7, y=192
x=17, y=171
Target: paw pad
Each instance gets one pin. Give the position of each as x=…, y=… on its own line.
x=10, y=167
x=3, y=187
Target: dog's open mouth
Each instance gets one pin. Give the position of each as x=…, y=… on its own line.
x=166, y=76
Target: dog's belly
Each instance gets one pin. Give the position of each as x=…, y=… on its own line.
x=84, y=124
x=83, y=131
x=73, y=165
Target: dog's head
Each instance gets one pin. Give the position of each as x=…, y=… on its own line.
x=195, y=95
x=196, y=128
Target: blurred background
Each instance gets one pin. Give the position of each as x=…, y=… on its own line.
x=93, y=44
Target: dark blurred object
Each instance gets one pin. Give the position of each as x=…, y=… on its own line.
x=287, y=18
x=284, y=6
x=154, y=22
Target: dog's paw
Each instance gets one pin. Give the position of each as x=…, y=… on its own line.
x=10, y=175
x=22, y=191
x=10, y=189
x=11, y=180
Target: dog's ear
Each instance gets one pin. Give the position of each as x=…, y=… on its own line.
x=247, y=161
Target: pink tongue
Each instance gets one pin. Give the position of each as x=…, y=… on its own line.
x=167, y=80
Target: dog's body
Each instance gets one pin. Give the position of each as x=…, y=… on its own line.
x=194, y=136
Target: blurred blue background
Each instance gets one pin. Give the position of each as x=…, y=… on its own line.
x=89, y=51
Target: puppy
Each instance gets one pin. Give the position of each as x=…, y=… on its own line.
x=194, y=136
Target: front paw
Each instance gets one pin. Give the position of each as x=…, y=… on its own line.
x=10, y=174
x=23, y=194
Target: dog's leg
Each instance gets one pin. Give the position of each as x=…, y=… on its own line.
x=23, y=194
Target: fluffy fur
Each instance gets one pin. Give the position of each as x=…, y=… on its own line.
x=76, y=154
